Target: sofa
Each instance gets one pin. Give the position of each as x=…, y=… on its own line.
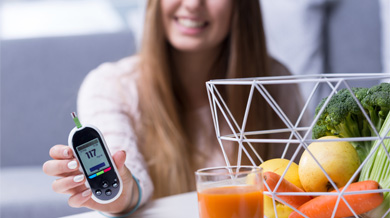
x=40, y=78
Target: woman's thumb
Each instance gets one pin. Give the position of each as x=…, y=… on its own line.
x=119, y=159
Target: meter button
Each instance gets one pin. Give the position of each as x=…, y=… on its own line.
x=98, y=192
x=115, y=185
x=105, y=184
x=108, y=192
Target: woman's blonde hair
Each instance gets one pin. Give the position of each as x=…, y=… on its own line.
x=163, y=140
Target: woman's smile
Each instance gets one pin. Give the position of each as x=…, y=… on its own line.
x=196, y=25
x=189, y=26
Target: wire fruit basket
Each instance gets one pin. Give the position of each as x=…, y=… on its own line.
x=297, y=132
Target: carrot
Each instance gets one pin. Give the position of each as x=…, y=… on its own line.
x=323, y=206
x=272, y=179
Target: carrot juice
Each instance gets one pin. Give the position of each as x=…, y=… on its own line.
x=231, y=202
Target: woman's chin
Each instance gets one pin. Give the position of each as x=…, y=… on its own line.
x=191, y=45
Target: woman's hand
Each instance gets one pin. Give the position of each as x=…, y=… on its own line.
x=72, y=181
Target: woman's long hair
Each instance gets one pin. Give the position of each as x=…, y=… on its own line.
x=163, y=141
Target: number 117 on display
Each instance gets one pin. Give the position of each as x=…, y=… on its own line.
x=91, y=153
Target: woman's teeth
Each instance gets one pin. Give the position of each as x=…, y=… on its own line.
x=191, y=23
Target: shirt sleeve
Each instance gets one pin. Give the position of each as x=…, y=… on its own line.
x=108, y=99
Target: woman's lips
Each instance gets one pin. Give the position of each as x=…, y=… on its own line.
x=190, y=26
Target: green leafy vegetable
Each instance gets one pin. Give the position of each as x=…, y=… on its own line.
x=343, y=117
x=378, y=168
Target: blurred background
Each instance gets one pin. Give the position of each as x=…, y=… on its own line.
x=48, y=46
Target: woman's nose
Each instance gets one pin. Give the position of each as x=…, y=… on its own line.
x=192, y=5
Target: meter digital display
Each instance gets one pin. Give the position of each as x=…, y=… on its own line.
x=92, y=156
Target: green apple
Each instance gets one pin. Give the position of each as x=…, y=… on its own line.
x=338, y=158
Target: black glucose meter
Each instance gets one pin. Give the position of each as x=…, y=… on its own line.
x=95, y=160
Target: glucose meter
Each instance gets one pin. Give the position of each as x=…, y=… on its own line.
x=95, y=160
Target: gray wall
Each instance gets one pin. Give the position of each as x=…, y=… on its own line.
x=353, y=37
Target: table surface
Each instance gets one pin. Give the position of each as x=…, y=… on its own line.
x=176, y=206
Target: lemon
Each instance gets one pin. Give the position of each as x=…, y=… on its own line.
x=279, y=165
x=282, y=210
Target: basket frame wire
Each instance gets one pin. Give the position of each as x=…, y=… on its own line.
x=217, y=102
x=215, y=118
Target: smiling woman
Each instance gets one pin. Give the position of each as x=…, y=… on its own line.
x=154, y=105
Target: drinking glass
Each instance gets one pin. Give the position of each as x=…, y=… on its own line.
x=230, y=192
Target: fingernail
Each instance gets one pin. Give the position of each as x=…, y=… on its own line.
x=72, y=165
x=78, y=178
x=86, y=193
x=66, y=152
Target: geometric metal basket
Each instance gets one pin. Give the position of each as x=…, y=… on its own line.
x=313, y=89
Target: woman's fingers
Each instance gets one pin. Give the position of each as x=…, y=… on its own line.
x=69, y=185
x=72, y=182
x=60, y=167
x=61, y=152
x=81, y=199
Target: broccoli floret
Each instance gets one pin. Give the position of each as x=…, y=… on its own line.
x=341, y=116
x=360, y=93
x=377, y=104
x=344, y=118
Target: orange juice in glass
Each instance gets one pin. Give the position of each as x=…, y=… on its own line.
x=230, y=192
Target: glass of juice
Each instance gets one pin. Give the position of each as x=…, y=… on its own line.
x=230, y=192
